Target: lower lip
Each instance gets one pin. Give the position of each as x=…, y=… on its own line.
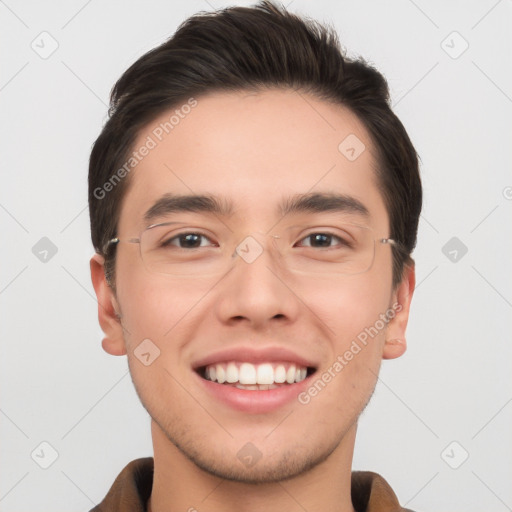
x=253, y=401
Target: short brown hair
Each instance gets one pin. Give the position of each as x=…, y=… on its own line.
x=252, y=48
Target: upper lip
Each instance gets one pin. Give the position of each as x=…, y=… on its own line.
x=254, y=356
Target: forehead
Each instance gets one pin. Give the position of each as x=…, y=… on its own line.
x=255, y=150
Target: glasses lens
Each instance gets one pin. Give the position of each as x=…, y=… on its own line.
x=167, y=250
x=343, y=249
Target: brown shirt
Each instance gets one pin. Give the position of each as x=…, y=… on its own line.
x=132, y=488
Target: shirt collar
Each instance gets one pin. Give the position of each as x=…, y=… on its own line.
x=132, y=488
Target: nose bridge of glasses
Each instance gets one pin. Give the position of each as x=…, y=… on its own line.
x=256, y=243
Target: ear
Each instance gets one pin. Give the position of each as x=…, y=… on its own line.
x=395, y=344
x=108, y=309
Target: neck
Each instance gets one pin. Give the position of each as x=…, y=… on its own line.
x=180, y=485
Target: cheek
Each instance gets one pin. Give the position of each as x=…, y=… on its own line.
x=355, y=312
x=348, y=305
x=155, y=306
x=350, y=309
x=159, y=317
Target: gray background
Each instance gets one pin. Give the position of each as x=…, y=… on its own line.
x=453, y=384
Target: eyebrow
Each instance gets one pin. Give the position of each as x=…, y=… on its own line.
x=311, y=202
x=171, y=203
x=323, y=202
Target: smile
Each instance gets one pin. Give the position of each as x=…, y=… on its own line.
x=255, y=377
x=254, y=380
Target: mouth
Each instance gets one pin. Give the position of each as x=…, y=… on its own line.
x=256, y=381
x=263, y=376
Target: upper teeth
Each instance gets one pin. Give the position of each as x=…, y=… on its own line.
x=247, y=373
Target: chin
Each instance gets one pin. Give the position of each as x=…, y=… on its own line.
x=242, y=461
x=277, y=468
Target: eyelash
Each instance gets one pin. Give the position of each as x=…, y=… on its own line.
x=327, y=233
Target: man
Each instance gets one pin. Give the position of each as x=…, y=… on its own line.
x=254, y=204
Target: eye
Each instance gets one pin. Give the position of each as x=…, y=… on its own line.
x=188, y=241
x=323, y=240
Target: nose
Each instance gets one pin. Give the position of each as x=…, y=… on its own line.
x=257, y=291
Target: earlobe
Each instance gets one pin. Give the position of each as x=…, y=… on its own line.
x=108, y=309
x=394, y=348
x=395, y=344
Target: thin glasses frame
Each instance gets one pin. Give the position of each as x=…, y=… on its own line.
x=191, y=230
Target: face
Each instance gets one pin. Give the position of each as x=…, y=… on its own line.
x=271, y=311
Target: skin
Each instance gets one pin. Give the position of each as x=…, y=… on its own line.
x=254, y=149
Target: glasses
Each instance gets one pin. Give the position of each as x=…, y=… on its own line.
x=342, y=248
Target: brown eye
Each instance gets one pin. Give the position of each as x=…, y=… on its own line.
x=187, y=241
x=320, y=240
x=323, y=240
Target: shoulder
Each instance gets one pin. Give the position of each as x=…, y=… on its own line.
x=131, y=489
x=372, y=493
